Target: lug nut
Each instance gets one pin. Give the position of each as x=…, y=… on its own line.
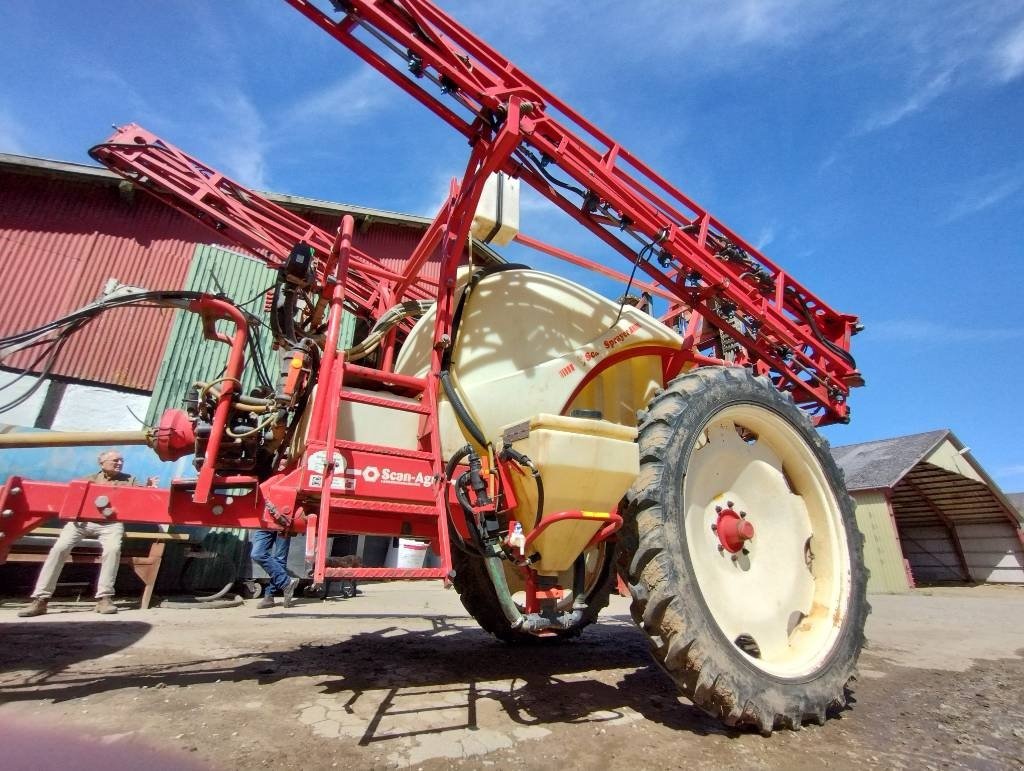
x=729, y=504
x=720, y=548
x=746, y=551
x=714, y=528
x=718, y=509
x=743, y=514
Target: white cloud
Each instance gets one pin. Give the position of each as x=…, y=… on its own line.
x=347, y=101
x=987, y=192
x=734, y=25
x=930, y=51
x=236, y=128
x=1015, y=470
x=914, y=103
x=931, y=332
x=765, y=237
x=1008, y=56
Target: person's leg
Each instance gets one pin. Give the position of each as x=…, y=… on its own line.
x=265, y=550
x=72, y=533
x=110, y=535
x=281, y=555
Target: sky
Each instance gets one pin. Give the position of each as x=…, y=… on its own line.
x=874, y=150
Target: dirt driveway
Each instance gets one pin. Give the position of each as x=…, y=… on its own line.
x=401, y=677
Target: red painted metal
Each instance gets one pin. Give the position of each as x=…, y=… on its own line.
x=175, y=436
x=733, y=529
x=409, y=574
x=243, y=216
x=212, y=310
x=611, y=523
x=625, y=203
x=341, y=253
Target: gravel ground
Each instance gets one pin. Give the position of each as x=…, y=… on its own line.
x=400, y=676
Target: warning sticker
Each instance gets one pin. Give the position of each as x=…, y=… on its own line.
x=317, y=462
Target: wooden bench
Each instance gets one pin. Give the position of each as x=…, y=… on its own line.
x=36, y=545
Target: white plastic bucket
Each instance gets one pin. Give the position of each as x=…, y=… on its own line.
x=409, y=553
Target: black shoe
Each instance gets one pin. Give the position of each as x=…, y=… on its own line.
x=266, y=602
x=289, y=591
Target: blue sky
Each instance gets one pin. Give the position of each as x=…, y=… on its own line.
x=873, y=149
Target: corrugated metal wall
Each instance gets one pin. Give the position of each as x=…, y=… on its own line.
x=993, y=552
x=189, y=356
x=63, y=236
x=932, y=554
x=61, y=240
x=388, y=242
x=882, y=554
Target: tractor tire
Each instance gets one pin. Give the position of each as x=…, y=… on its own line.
x=476, y=591
x=763, y=632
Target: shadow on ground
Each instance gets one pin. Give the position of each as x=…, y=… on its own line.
x=594, y=679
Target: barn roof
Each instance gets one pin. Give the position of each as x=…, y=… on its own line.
x=884, y=462
x=929, y=478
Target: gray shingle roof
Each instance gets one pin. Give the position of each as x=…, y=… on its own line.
x=882, y=463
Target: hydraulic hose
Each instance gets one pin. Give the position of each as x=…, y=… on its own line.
x=477, y=549
x=460, y=410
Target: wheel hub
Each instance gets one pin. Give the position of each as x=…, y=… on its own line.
x=732, y=528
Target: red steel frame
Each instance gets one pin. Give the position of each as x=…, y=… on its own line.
x=625, y=203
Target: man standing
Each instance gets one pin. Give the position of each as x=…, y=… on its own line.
x=270, y=552
x=109, y=534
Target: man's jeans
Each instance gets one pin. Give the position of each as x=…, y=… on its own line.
x=110, y=535
x=270, y=552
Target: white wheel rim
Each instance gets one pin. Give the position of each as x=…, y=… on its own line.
x=790, y=602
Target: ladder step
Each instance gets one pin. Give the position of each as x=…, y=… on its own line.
x=367, y=573
x=400, y=452
x=391, y=507
x=389, y=379
x=378, y=401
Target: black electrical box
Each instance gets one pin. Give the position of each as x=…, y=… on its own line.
x=300, y=266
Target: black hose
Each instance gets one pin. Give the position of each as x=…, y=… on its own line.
x=467, y=510
x=460, y=410
x=459, y=541
x=524, y=460
x=809, y=317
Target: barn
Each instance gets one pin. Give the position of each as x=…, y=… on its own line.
x=930, y=514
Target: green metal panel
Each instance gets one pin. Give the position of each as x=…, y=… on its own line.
x=882, y=553
x=189, y=356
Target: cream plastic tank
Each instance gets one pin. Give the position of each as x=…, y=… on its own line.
x=525, y=345
x=586, y=466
